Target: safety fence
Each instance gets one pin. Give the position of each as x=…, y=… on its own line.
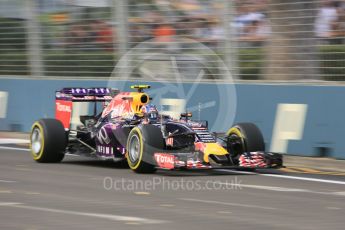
x=194, y=39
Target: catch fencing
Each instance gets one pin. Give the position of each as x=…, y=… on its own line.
x=298, y=40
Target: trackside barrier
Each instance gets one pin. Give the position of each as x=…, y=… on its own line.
x=295, y=119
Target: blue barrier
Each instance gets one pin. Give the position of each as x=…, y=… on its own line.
x=322, y=129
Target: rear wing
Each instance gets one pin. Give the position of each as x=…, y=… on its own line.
x=86, y=94
x=65, y=97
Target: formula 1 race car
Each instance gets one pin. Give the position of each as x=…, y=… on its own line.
x=130, y=129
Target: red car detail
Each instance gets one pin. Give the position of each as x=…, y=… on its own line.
x=63, y=112
x=165, y=160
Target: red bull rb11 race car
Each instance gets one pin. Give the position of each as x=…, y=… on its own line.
x=126, y=127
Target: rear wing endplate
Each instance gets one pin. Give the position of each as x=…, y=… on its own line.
x=64, y=100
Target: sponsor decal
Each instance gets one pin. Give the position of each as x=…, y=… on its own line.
x=117, y=107
x=63, y=111
x=165, y=160
x=105, y=150
x=62, y=107
x=199, y=146
x=105, y=97
x=79, y=91
x=102, y=136
x=169, y=141
x=195, y=124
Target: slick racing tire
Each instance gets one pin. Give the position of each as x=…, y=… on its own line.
x=249, y=136
x=48, y=141
x=142, y=142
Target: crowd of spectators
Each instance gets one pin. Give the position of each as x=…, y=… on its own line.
x=330, y=22
x=249, y=25
x=93, y=35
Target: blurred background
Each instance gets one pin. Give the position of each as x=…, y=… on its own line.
x=257, y=39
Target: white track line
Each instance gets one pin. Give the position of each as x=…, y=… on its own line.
x=14, y=148
x=227, y=204
x=305, y=179
x=273, y=188
x=88, y=214
x=28, y=150
x=13, y=141
x=282, y=189
x=7, y=181
x=236, y=171
x=9, y=203
x=287, y=177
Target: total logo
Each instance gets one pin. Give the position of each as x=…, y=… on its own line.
x=63, y=108
x=165, y=160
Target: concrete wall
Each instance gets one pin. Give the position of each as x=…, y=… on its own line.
x=301, y=120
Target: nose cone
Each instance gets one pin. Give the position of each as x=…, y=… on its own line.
x=212, y=148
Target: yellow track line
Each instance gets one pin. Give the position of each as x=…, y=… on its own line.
x=307, y=170
x=333, y=173
x=290, y=170
x=311, y=171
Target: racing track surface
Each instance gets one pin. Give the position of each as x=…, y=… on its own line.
x=71, y=195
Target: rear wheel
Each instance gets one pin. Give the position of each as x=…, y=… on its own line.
x=142, y=142
x=48, y=141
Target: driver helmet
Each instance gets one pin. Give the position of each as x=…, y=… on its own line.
x=150, y=112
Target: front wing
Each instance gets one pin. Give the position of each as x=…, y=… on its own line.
x=191, y=160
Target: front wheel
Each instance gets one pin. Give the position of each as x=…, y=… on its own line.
x=245, y=137
x=142, y=142
x=48, y=141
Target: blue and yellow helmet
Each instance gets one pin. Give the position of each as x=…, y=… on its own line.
x=150, y=111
